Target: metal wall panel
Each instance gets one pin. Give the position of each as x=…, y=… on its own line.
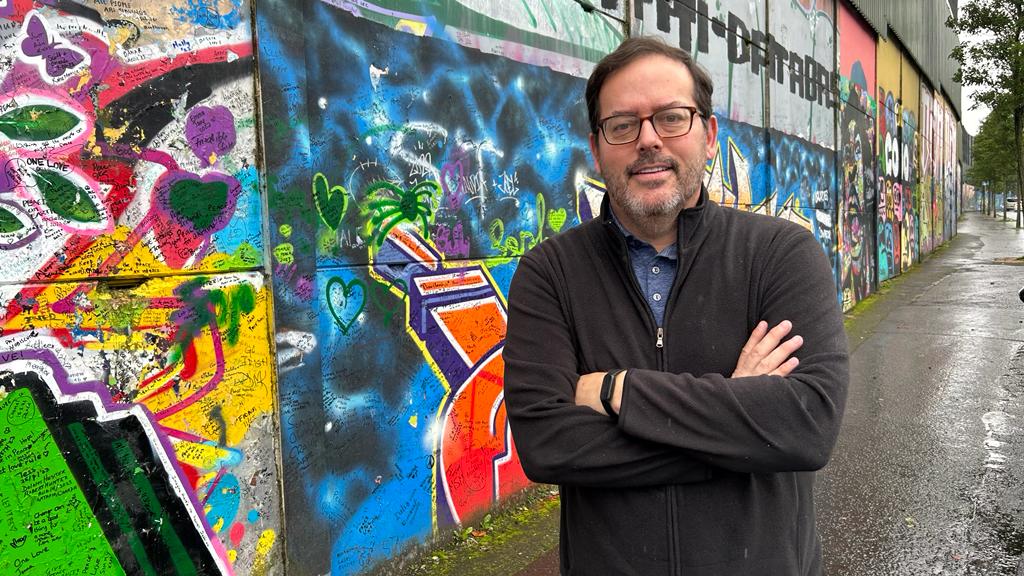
x=920, y=25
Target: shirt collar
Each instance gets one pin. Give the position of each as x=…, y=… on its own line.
x=671, y=251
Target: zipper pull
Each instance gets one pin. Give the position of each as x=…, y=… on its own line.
x=661, y=338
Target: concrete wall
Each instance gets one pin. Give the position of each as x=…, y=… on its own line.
x=191, y=188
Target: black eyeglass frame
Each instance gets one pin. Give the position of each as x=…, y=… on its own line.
x=694, y=112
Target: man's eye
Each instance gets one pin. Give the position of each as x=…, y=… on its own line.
x=673, y=118
x=622, y=126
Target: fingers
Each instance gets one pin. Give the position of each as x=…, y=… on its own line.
x=766, y=353
x=755, y=337
x=786, y=367
x=781, y=361
x=771, y=340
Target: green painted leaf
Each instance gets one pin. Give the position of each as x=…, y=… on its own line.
x=65, y=198
x=9, y=222
x=37, y=123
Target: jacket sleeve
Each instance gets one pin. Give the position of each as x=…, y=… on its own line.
x=559, y=442
x=759, y=424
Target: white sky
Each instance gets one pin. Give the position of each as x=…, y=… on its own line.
x=972, y=119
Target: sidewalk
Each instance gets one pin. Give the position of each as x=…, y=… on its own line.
x=522, y=538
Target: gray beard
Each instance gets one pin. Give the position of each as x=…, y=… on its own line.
x=656, y=217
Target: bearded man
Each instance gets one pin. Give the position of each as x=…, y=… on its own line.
x=650, y=363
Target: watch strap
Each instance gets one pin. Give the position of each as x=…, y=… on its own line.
x=608, y=391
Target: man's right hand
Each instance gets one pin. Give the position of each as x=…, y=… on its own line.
x=766, y=354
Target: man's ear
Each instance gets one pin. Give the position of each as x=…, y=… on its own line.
x=593, y=151
x=711, y=137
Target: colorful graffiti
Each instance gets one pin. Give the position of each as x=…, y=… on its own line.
x=793, y=182
x=891, y=208
x=857, y=199
x=134, y=343
x=432, y=167
x=558, y=35
x=413, y=152
x=926, y=185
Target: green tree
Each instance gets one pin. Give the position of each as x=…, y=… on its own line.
x=994, y=165
x=993, y=60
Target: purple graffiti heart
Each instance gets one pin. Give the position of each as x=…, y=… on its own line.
x=210, y=131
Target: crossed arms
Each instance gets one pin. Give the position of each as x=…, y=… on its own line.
x=772, y=413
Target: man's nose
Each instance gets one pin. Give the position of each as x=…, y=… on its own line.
x=649, y=137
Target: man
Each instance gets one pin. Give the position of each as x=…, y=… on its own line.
x=640, y=372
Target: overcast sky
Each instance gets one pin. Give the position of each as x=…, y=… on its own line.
x=971, y=118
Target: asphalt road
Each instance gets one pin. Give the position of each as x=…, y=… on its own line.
x=926, y=477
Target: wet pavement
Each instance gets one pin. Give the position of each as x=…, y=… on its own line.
x=927, y=476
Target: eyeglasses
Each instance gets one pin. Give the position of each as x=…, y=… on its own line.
x=667, y=123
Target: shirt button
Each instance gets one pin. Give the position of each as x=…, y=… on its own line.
x=657, y=297
x=656, y=270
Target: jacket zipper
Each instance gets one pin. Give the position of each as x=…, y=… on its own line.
x=675, y=568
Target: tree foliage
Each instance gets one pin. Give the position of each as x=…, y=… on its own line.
x=994, y=157
x=993, y=59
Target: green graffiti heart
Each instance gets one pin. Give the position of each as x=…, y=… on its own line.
x=200, y=203
x=348, y=302
x=331, y=201
x=556, y=219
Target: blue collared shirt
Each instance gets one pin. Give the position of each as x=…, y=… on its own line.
x=654, y=271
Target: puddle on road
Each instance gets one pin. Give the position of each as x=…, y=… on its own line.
x=997, y=424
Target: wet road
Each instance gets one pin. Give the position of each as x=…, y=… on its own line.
x=927, y=476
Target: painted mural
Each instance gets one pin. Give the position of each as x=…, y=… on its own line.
x=406, y=178
x=926, y=186
x=910, y=168
x=411, y=153
x=803, y=102
x=893, y=251
x=563, y=35
x=137, y=430
x=950, y=170
x=785, y=171
x=856, y=134
x=728, y=38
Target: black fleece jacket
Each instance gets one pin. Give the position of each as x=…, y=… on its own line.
x=701, y=474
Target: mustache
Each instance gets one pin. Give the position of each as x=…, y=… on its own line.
x=652, y=158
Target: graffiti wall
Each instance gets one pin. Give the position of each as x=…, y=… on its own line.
x=186, y=301
x=893, y=253
x=927, y=207
x=910, y=170
x=857, y=200
x=950, y=170
x=408, y=175
x=415, y=150
x=785, y=170
x=137, y=430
